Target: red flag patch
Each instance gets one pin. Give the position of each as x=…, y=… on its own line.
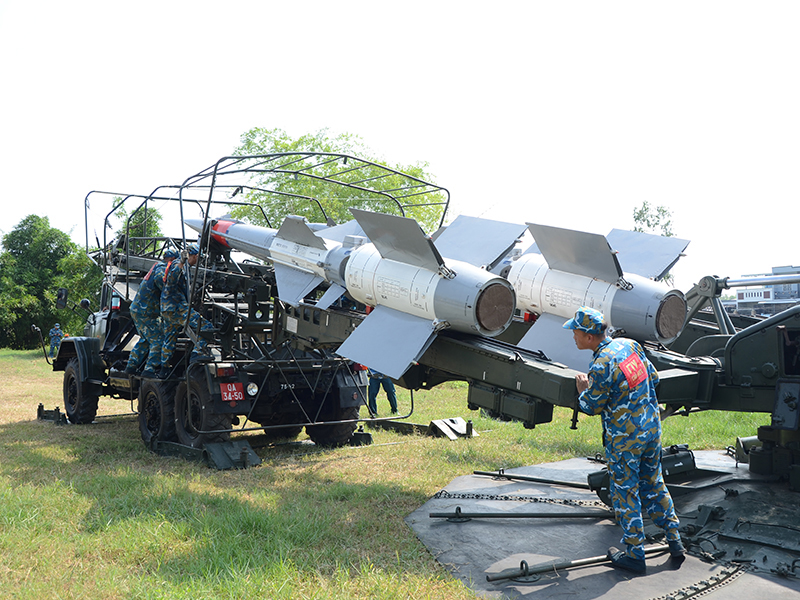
x=634, y=370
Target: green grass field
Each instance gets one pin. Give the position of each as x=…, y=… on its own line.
x=88, y=512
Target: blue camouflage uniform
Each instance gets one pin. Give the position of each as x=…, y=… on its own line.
x=146, y=315
x=175, y=308
x=376, y=380
x=622, y=384
x=56, y=335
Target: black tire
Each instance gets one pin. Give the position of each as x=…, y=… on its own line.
x=157, y=411
x=280, y=433
x=81, y=407
x=203, y=418
x=337, y=434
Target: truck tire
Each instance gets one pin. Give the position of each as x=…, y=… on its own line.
x=337, y=434
x=280, y=433
x=203, y=418
x=157, y=411
x=81, y=407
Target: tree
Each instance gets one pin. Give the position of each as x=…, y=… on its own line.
x=36, y=260
x=281, y=195
x=649, y=219
x=145, y=222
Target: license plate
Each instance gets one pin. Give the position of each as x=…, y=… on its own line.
x=232, y=392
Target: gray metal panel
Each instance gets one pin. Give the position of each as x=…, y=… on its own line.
x=339, y=232
x=331, y=295
x=479, y=242
x=295, y=229
x=399, y=238
x=577, y=252
x=549, y=336
x=472, y=550
x=293, y=284
x=644, y=254
x=388, y=341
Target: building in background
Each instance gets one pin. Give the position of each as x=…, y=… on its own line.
x=768, y=300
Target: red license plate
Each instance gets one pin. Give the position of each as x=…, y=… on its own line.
x=232, y=392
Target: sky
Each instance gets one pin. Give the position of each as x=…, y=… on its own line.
x=568, y=114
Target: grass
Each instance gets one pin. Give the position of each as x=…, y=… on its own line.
x=88, y=512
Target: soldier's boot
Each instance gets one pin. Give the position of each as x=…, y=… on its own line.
x=620, y=560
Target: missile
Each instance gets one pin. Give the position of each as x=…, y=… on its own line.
x=416, y=287
x=567, y=269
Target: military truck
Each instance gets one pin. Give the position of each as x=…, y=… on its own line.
x=261, y=376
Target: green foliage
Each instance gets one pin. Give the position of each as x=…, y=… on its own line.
x=144, y=222
x=281, y=194
x=653, y=219
x=36, y=260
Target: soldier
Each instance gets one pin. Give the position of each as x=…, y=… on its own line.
x=621, y=386
x=376, y=380
x=174, y=311
x=146, y=315
x=56, y=335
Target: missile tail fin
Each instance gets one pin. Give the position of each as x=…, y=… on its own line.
x=337, y=233
x=645, y=254
x=548, y=335
x=331, y=295
x=399, y=238
x=293, y=284
x=388, y=341
x=577, y=252
x=459, y=240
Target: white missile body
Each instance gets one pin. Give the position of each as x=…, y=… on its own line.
x=578, y=269
x=415, y=291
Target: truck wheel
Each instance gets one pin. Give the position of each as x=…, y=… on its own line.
x=203, y=418
x=81, y=407
x=280, y=433
x=337, y=434
x=157, y=411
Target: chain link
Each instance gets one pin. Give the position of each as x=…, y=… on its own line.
x=705, y=586
x=506, y=497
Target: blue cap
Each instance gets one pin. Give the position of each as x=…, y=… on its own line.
x=57, y=325
x=193, y=249
x=586, y=319
x=171, y=254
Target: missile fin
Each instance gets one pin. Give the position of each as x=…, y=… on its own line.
x=645, y=254
x=577, y=252
x=339, y=232
x=295, y=229
x=293, y=284
x=458, y=240
x=548, y=335
x=331, y=295
x=399, y=238
x=388, y=341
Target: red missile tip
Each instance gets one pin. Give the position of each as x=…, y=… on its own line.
x=221, y=227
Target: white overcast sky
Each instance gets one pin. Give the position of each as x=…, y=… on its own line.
x=560, y=113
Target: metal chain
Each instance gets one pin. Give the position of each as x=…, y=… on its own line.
x=705, y=586
x=504, y=497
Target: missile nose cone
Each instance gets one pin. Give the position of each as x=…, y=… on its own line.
x=196, y=224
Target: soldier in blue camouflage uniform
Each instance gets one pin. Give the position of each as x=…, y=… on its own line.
x=56, y=335
x=621, y=386
x=146, y=315
x=175, y=308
